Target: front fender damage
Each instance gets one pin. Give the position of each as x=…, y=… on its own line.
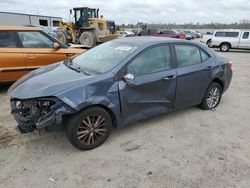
x=41, y=114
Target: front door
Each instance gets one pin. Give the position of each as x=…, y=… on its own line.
x=12, y=65
x=245, y=40
x=152, y=91
x=38, y=50
x=194, y=74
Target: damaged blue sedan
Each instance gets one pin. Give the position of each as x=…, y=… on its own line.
x=117, y=83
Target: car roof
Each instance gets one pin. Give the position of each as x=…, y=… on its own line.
x=144, y=42
x=18, y=28
x=141, y=41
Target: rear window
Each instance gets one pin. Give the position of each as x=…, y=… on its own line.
x=7, y=40
x=226, y=34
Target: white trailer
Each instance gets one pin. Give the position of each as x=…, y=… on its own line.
x=19, y=19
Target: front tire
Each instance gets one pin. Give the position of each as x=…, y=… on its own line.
x=88, y=39
x=212, y=97
x=89, y=128
x=61, y=37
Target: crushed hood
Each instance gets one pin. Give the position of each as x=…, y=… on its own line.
x=47, y=81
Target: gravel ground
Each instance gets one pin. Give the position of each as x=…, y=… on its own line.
x=188, y=148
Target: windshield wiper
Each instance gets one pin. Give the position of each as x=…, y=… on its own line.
x=69, y=63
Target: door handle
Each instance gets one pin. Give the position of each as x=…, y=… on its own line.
x=208, y=67
x=70, y=54
x=31, y=55
x=170, y=77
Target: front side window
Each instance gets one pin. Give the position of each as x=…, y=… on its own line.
x=245, y=35
x=104, y=57
x=153, y=60
x=7, y=40
x=189, y=55
x=35, y=40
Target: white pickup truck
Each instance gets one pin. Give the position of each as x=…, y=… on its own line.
x=231, y=39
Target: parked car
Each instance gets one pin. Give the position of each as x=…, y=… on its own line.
x=231, y=39
x=190, y=33
x=188, y=36
x=162, y=33
x=117, y=83
x=198, y=34
x=125, y=33
x=23, y=49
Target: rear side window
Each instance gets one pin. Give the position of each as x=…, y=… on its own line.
x=7, y=40
x=153, y=60
x=226, y=34
x=35, y=39
x=204, y=56
x=245, y=35
x=190, y=55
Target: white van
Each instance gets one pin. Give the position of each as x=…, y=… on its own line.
x=227, y=39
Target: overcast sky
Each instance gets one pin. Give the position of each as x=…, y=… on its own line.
x=133, y=11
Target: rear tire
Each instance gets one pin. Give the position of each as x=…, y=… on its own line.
x=89, y=128
x=88, y=39
x=224, y=47
x=212, y=97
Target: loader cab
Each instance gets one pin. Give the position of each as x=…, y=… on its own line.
x=111, y=26
x=83, y=14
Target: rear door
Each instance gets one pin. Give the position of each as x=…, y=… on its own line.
x=12, y=65
x=152, y=90
x=194, y=74
x=245, y=40
x=38, y=49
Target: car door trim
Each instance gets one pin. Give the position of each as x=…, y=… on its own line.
x=16, y=69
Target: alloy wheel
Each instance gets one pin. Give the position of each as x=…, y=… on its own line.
x=91, y=129
x=213, y=97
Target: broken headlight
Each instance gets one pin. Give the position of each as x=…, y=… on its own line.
x=30, y=110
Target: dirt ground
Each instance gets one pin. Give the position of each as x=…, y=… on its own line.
x=188, y=148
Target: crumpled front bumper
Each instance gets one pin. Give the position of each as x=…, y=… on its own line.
x=50, y=122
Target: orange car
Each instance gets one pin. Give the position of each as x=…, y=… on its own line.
x=23, y=49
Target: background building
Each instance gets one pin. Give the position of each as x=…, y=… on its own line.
x=19, y=19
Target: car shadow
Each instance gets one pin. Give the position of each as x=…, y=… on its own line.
x=4, y=88
x=53, y=141
x=233, y=51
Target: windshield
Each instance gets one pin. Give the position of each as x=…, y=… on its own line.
x=104, y=57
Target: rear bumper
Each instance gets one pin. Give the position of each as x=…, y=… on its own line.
x=228, y=79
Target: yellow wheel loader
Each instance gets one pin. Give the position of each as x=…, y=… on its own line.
x=87, y=29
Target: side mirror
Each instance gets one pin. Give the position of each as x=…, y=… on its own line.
x=129, y=78
x=56, y=46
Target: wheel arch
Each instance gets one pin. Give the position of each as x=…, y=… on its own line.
x=111, y=113
x=219, y=81
x=225, y=42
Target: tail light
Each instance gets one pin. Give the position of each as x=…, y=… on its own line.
x=230, y=64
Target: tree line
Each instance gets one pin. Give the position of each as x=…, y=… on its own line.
x=242, y=24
